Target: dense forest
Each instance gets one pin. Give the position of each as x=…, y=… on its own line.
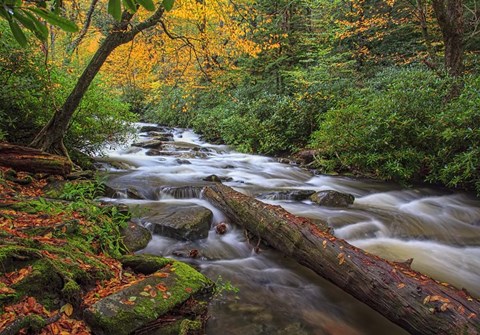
x=387, y=89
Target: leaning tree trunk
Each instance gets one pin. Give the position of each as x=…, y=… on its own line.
x=410, y=299
x=449, y=14
x=50, y=138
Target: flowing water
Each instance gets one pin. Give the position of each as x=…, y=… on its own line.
x=440, y=230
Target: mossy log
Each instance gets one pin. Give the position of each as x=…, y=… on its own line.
x=414, y=301
x=33, y=160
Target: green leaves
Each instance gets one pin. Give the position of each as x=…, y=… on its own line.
x=115, y=9
x=17, y=33
x=115, y=6
x=168, y=4
x=29, y=17
x=147, y=4
x=55, y=19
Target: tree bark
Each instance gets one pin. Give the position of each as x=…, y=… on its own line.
x=50, y=138
x=32, y=160
x=410, y=299
x=449, y=14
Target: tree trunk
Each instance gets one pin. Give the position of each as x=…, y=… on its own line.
x=449, y=14
x=410, y=299
x=32, y=160
x=50, y=138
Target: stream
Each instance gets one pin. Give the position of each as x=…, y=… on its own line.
x=439, y=229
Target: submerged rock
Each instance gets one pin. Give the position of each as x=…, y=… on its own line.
x=133, y=307
x=332, y=199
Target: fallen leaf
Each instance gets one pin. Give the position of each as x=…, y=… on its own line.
x=67, y=309
x=160, y=274
x=401, y=285
x=153, y=293
x=341, y=258
x=472, y=315
x=145, y=294
x=188, y=290
x=426, y=300
x=132, y=298
x=324, y=243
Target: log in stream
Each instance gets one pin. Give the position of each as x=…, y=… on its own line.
x=414, y=301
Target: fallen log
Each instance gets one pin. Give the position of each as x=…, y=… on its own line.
x=32, y=160
x=413, y=301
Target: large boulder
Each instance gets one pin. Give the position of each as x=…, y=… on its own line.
x=331, y=198
x=181, y=222
x=133, y=307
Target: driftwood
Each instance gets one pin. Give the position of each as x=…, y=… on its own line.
x=32, y=160
x=414, y=301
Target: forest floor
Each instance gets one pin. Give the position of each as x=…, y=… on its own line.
x=57, y=258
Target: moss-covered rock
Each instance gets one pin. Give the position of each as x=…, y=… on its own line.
x=133, y=307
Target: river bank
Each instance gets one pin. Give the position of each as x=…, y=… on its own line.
x=65, y=268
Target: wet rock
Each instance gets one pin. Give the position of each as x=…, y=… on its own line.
x=183, y=161
x=228, y=167
x=155, y=152
x=296, y=195
x=135, y=237
x=146, y=129
x=183, y=223
x=332, y=199
x=131, y=308
x=150, y=144
x=217, y=179
x=166, y=137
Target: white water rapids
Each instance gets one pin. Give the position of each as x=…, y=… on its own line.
x=440, y=230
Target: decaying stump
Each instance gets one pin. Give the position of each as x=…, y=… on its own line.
x=408, y=298
x=32, y=160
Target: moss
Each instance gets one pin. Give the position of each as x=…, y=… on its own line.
x=44, y=283
x=14, y=257
x=188, y=326
x=71, y=290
